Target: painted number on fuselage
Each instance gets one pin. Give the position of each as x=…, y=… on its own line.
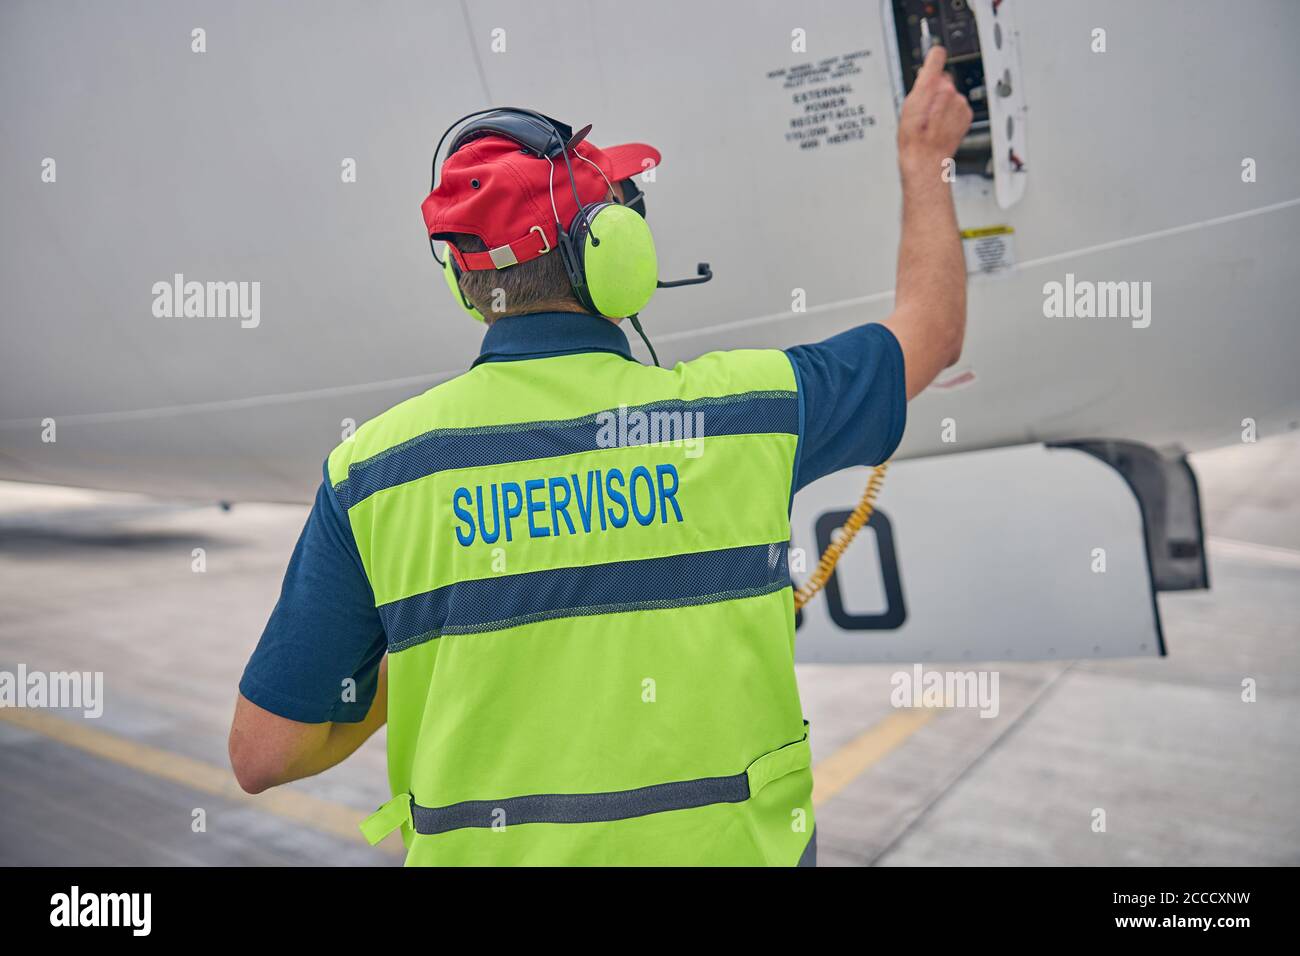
x=895, y=610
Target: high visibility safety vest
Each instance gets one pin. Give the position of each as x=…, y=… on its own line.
x=581, y=567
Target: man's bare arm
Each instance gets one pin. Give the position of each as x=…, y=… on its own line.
x=929, y=317
x=267, y=750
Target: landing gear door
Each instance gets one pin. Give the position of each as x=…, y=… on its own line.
x=1016, y=554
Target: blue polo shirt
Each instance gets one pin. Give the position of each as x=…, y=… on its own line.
x=318, y=659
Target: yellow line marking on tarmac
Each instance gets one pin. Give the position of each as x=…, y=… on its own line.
x=332, y=818
x=842, y=767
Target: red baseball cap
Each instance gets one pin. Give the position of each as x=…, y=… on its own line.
x=494, y=189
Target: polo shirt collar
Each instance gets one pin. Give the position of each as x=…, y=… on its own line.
x=548, y=334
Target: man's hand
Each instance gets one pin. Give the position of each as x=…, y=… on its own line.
x=935, y=117
x=929, y=317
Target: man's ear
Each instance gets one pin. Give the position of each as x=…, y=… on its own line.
x=630, y=195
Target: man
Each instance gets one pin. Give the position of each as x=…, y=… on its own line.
x=583, y=642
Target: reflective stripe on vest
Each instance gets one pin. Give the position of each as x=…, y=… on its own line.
x=587, y=807
x=581, y=567
x=478, y=446
x=679, y=580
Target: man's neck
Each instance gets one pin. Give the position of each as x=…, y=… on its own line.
x=568, y=306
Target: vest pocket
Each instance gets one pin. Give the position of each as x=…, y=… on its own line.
x=779, y=810
x=780, y=762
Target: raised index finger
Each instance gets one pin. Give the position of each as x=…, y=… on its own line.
x=934, y=62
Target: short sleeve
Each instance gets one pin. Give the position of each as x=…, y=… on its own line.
x=852, y=401
x=324, y=629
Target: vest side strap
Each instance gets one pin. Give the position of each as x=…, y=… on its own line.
x=779, y=763
x=387, y=818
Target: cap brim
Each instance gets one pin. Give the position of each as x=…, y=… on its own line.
x=630, y=159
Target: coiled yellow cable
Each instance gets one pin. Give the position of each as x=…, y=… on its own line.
x=831, y=556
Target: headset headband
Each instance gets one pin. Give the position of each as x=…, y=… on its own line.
x=541, y=139
x=536, y=132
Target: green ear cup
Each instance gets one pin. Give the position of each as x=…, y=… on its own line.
x=618, y=257
x=449, y=273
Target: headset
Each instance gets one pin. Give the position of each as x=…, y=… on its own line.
x=607, y=249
